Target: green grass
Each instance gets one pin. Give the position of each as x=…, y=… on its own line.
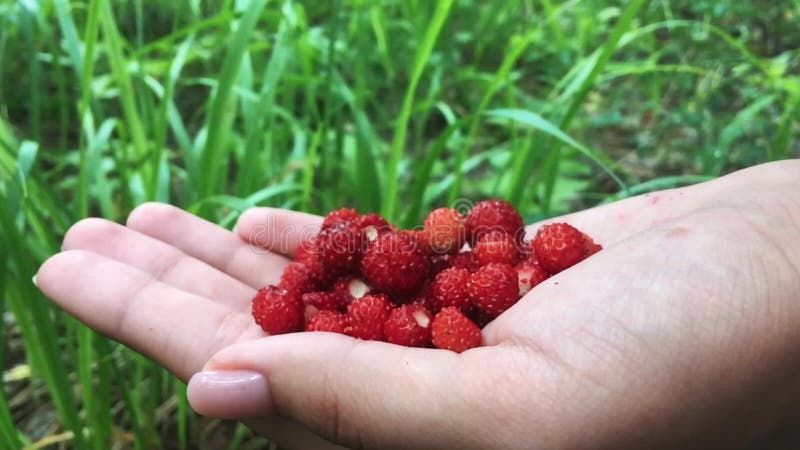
x=394, y=107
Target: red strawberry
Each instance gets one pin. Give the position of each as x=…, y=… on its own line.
x=452, y=330
x=464, y=260
x=351, y=288
x=395, y=264
x=558, y=247
x=493, y=215
x=449, y=288
x=494, y=288
x=277, y=310
x=366, y=317
x=325, y=300
x=339, y=216
x=445, y=230
x=308, y=253
x=340, y=248
x=409, y=325
x=496, y=247
x=297, y=279
x=530, y=273
x=589, y=246
x=330, y=321
x=372, y=225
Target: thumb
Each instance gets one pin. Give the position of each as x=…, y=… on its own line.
x=352, y=392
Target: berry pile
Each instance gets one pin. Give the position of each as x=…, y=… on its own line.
x=437, y=286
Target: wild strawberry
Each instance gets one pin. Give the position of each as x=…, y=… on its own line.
x=529, y=273
x=452, y=330
x=297, y=279
x=449, y=288
x=589, y=246
x=366, y=317
x=494, y=288
x=325, y=300
x=308, y=254
x=491, y=215
x=445, y=230
x=340, y=248
x=395, y=264
x=330, y=321
x=277, y=310
x=496, y=247
x=464, y=260
x=558, y=247
x=372, y=225
x=339, y=216
x=408, y=325
x=351, y=288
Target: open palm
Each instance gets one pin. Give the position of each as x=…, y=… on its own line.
x=689, y=314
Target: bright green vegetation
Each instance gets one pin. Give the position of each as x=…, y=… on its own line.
x=393, y=106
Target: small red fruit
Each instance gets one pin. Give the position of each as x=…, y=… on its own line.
x=491, y=215
x=445, y=230
x=366, y=317
x=373, y=225
x=325, y=300
x=558, y=247
x=308, y=254
x=464, y=260
x=331, y=321
x=452, y=330
x=297, y=279
x=494, y=288
x=339, y=216
x=496, y=247
x=589, y=246
x=530, y=273
x=351, y=288
x=277, y=310
x=395, y=264
x=449, y=288
x=409, y=325
x=340, y=248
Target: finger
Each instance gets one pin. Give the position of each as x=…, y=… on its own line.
x=162, y=261
x=277, y=230
x=358, y=393
x=209, y=243
x=177, y=329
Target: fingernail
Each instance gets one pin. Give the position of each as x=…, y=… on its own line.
x=34, y=281
x=230, y=394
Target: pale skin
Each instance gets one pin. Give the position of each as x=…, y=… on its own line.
x=683, y=332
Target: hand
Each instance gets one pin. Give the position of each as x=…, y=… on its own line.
x=682, y=332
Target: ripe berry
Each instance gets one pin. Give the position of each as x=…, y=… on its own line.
x=530, y=273
x=331, y=321
x=496, y=247
x=339, y=216
x=340, y=248
x=297, y=279
x=409, y=325
x=464, y=260
x=449, y=288
x=277, y=311
x=325, y=300
x=493, y=215
x=395, y=264
x=589, y=246
x=452, y=330
x=558, y=247
x=445, y=230
x=494, y=288
x=308, y=254
x=366, y=317
x=372, y=225
x=351, y=288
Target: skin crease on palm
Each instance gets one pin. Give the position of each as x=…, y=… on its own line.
x=684, y=332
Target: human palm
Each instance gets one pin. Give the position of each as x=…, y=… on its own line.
x=682, y=332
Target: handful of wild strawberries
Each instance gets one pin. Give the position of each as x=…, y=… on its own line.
x=362, y=277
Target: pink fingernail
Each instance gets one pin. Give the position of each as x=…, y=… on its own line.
x=232, y=394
